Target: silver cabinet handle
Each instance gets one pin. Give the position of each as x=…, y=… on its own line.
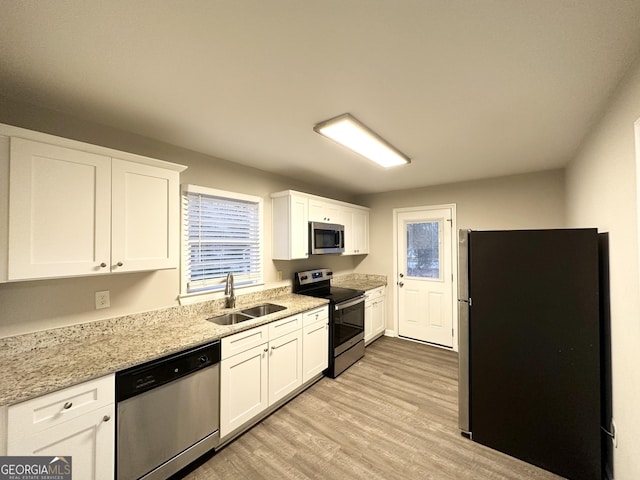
x=106, y=418
x=67, y=405
x=103, y=265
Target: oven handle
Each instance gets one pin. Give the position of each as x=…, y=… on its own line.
x=349, y=303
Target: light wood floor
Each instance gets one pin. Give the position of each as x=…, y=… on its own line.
x=393, y=415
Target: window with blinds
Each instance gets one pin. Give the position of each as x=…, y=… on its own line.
x=221, y=234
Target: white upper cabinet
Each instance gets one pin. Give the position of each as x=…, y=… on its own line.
x=356, y=231
x=59, y=211
x=290, y=216
x=326, y=212
x=292, y=212
x=75, y=212
x=144, y=217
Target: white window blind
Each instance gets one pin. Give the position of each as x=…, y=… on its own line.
x=222, y=234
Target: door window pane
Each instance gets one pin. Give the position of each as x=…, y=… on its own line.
x=423, y=249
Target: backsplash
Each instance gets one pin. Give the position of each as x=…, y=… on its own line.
x=49, y=338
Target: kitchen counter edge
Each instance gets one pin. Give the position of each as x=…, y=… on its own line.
x=99, y=352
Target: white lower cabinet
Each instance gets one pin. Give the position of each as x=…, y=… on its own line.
x=285, y=365
x=77, y=422
x=243, y=387
x=315, y=343
x=374, y=314
x=260, y=375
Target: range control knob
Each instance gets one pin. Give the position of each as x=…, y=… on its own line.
x=203, y=359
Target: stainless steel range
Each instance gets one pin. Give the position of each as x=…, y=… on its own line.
x=346, y=317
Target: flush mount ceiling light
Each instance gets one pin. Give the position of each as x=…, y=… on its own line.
x=349, y=132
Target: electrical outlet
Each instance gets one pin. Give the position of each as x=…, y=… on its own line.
x=103, y=300
x=279, y=275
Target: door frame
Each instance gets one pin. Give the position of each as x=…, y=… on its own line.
x=454, y=269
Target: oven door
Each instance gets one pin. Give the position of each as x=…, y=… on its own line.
x=348, y=324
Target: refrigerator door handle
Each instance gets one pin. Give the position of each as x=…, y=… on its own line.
x=464, y=302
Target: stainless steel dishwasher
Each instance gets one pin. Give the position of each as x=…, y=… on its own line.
x=168, y=413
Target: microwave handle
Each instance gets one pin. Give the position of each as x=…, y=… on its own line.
x=338, y=238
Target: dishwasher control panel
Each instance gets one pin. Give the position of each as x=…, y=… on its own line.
x=141, y=378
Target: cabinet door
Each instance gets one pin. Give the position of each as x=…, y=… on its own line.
x=379, y=317
x=285, y=365
x=315, y=348
x=145, y=213
x=59, y=211
x=320, y=211
x=368, y=321
x=299, y=227
x=89, y=440
x=290, y=227
x=356, y=232
x=360, y=231
x=243, y=388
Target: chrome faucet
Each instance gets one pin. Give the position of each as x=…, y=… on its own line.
x=229, y=295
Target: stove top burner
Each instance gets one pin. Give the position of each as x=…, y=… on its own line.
x=317, y=283
x=333, y=294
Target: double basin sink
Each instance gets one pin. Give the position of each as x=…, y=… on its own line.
x=246, y=314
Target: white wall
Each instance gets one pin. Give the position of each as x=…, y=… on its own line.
x=43, y=304
x=601, y=191
x=528, y=201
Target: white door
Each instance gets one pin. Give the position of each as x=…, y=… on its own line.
x=425, y=275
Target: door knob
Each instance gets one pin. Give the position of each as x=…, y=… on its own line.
x=401, y=284
x=402, y=275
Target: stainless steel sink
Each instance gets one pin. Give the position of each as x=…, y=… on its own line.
x=264, y=309
x=246, y=314
x=230, y=318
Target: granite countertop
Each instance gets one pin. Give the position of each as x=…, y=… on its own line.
x=359, y=281
x=42, y=362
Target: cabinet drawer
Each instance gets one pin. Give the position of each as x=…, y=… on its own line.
x=376, y=292
x=284, y=326
x=240, y=342
x=316, y=315
x=33, y=416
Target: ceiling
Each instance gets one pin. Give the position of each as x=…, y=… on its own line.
x=467, y=88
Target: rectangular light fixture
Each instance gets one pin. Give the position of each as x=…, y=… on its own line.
x=349, y=132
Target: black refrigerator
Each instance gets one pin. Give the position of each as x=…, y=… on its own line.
x=529, y=380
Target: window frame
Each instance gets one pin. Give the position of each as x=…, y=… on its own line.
x=216, y=292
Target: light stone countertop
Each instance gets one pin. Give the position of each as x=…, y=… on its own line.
x=42, y=362
x=359, y=281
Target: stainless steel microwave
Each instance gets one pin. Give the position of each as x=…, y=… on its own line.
x=326, y=238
